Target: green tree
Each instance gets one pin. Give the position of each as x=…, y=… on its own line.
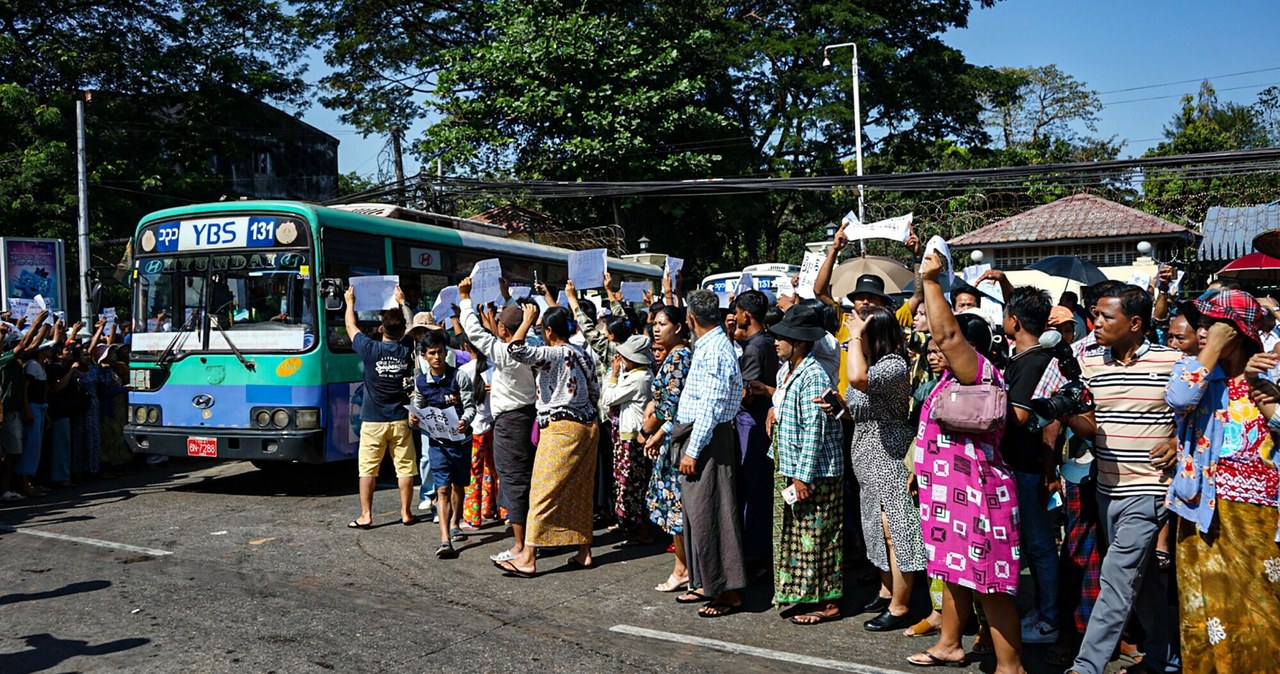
x=171, y=82
x=644, y=89
x=1204, y=124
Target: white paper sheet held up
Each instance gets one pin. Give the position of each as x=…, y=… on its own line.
x=809, y=268
x=971, y=273
x=745, y=283
x=517, y=292
x=443, y=307
x=374, y=293
x=485, y=280
x=673, y=267
x=895, y=229
x=783, y=286
x=633, y=291
x=587, y=267
x=939, y=245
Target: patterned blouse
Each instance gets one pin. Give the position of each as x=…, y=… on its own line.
x=1224, y=447
x=567, y=383
x=670, y=382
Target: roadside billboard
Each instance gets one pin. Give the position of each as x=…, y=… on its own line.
x=30, y=267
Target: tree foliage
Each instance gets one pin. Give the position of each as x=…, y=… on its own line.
x=1204, y=124
x=637, y=89
x=170, y=81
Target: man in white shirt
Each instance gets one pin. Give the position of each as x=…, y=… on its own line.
x=511, y=400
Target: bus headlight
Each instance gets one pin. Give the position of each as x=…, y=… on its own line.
x=308, y=417
x=262, y=418
x=280, y=418
x=139, y=415
x=153, y=415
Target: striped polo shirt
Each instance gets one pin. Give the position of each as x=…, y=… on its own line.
x=1133, y=417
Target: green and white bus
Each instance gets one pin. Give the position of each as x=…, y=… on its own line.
x=239, y=350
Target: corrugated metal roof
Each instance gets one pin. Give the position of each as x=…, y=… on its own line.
x=1079, y=216
x=1229, y=231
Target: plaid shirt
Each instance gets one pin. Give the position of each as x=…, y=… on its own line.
x=806, y=442
x=712, y=390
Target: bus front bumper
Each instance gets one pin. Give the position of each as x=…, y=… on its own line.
x=224, y=443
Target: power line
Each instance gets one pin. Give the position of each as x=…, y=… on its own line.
x=1216, y=164
x=1168, y=96
x=1192, y=81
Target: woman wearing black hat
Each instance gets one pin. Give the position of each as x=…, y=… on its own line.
x=809, y=513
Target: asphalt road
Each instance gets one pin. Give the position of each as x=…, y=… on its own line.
x=262, y=575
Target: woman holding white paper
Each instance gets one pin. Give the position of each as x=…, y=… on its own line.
x=562, y=486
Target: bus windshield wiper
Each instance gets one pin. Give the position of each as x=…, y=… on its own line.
x=248, y=364
x=170, y=351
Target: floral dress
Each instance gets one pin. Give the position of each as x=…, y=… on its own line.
x=664, y=500
x=1225, y=493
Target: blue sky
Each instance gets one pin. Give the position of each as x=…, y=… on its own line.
x=1114, y=46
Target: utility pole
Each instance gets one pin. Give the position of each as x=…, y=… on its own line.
x=397, y=155
x=82, y=189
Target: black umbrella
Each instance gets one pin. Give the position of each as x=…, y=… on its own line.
x=1070, y=267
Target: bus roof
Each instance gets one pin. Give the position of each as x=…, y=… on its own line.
x=427, y=227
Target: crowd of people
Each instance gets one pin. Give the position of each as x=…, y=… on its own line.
x=1119, y=449
x=63, y=403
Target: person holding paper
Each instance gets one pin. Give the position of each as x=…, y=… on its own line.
x=383, y=419
x=442, y=386
x=513, y=413
x=564, y=467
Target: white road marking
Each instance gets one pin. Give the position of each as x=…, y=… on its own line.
x=87, y=541
x=742, y=649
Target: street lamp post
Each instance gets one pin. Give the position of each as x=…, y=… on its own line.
x=857, y=113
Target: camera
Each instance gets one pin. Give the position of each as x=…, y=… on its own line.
x=1073, y=398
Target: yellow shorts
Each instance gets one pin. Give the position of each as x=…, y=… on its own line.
x=378, y=436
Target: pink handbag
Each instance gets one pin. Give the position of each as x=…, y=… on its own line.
x=975, y=408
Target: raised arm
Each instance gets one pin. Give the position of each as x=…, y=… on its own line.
x=822, y=282
x=404, y=308
x=350, y=317
x=484, y=340
x=962, y=359
x=856, y=367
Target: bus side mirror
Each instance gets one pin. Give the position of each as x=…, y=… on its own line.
x=331, y=291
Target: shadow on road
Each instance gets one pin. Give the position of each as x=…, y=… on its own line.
x=336, y=479
x=74, y=588
x=50, y=651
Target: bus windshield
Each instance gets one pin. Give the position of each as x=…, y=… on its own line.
x=264, y=302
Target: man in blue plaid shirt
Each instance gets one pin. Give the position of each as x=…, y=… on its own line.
x=709, y=463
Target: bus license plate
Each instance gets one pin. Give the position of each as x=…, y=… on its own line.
x=202, y=447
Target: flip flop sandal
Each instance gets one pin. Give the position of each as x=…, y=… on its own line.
x=935, y=661
x=511, y=570
x=355, y=524
x=922, y=629
x=410, y=522
x=693, y=598
x=718, y=610
x=672, y=584
x=982, y=646
x=821, y=618
x=573, y=562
